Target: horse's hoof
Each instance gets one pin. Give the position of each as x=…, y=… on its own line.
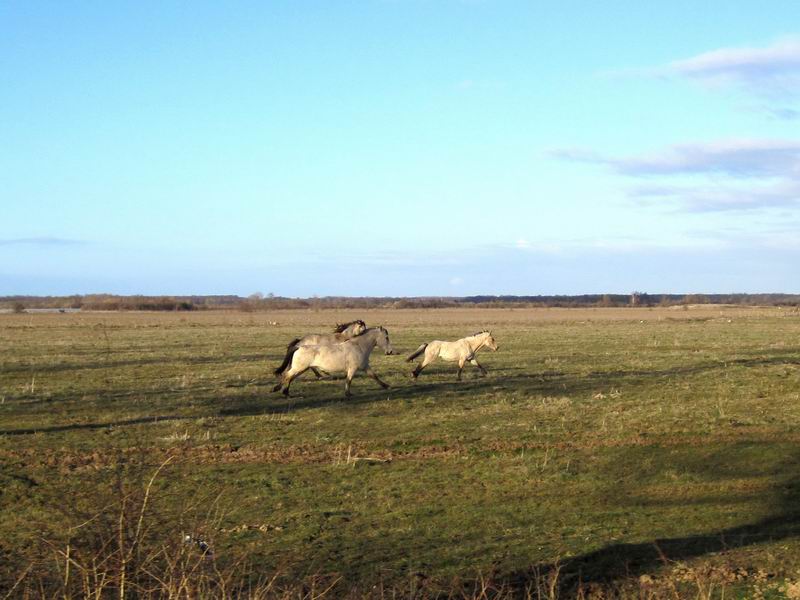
x=386, y=386
x=276, y=388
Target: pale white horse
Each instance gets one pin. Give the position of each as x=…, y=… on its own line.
x=462, y=350
x=348, y=357
x=342, y=332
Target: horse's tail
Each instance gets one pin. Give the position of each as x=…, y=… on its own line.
x=418, y=351
x=290, y=350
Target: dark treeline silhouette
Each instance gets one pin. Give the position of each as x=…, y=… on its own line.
x=259, y=302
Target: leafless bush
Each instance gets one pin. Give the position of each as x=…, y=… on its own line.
x=124, y=540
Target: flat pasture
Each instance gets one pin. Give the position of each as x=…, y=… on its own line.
x=611, y=447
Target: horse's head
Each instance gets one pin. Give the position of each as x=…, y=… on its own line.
x=351, y=329
x=383, y=341
x=490, y=342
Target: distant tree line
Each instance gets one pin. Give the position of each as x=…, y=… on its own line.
x=114, y=302
x=260, y=302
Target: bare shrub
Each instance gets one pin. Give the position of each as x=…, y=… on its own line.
x=125, y=540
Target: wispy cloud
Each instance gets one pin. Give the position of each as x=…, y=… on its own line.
x=41, y=241
x=780, y=237
x=744, y=174
x=772, y=70
x=605, y=245
x=783, y=114
x=769, y=73
x=718, y=198
x=727, y=175
x=736, y=158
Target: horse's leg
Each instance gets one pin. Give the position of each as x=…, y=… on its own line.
x=350, y=372
x=426, y=360
x=316, y=372
x=461, y=362
x=290, y=378
x=283, y=382
x=374, y=375
x=475, y=363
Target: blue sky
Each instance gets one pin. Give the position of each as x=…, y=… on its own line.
x=399, y=147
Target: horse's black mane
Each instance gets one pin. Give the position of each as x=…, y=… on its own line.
x=479, y=332
x=340, y=327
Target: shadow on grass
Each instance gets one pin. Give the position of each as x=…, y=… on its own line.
x=442, y=381
x=623, y=561
x=439, y=380
x=89, y=426
x=45, y=369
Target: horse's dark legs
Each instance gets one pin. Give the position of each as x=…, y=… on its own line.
x=417, y=370
x=479, y=366
x=374, y=375
x=290, y=379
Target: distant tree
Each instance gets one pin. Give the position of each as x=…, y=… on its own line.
x=605, y=301
x=18, y=307
x=694, y=299
x=640, y=299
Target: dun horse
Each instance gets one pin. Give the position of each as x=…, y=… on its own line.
x=462, y=350
x=348, y=357
x=342, y=332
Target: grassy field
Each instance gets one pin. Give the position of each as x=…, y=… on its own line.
x=610, y=451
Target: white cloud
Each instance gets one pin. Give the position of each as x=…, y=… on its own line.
x=739, y=174
x=736, y=158
x=607, y=245
x=771, y=70
x=721, y=197
x=770, y=73
x=727, y=175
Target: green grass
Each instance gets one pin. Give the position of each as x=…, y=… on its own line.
x=595, y=434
